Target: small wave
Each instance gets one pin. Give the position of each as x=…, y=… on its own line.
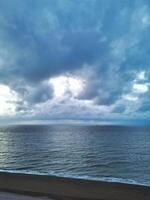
x=109, y=164
x=65, y=175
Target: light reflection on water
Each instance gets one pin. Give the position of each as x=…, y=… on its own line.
x=93, y=151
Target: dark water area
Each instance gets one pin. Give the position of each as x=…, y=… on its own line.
x=113, y=153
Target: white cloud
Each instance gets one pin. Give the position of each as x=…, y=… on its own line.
x=141, y=75
x=7, y=100
x=130, y=97
x=65, y=84
x=140, y=88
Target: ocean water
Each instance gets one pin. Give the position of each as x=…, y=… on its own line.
x=113, y=153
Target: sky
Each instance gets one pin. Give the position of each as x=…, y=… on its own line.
x=75, y=60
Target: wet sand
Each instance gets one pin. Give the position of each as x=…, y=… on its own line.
x=70, y=188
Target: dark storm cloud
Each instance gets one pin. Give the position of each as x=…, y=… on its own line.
x=41, y=93
x=43, y=41
x=50, y=37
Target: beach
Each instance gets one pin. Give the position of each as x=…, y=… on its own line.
x=14, y=196
x=54, y=187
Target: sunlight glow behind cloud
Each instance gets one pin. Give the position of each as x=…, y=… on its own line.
x=66, y=85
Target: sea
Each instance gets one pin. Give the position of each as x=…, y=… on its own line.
x=110, y=153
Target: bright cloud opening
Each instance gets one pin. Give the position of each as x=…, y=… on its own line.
x=64, y=85
x=7, y=100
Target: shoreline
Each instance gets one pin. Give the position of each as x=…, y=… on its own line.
x=71, y=188
x=84, y=177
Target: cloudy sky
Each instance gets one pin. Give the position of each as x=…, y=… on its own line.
x=80, y=60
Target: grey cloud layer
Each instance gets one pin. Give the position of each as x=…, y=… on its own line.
x=41, y=39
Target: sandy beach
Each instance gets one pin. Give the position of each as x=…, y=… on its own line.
x=70, y=188
x=14, y=196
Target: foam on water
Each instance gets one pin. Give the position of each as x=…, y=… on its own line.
x=107, y=179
